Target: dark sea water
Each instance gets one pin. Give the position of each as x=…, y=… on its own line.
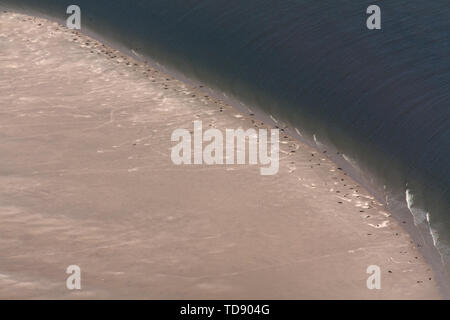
x=381, y=97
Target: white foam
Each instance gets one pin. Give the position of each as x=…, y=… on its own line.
x=433, y=232
x=273, y=119
x=318, y=143
x=419, y=215
x=350, y=160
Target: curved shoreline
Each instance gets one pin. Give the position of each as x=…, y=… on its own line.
x=400, y=213
x=423, y=239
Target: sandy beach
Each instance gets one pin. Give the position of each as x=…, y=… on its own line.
x=86, y=179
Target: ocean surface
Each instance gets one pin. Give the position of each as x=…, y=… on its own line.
x=377, y=101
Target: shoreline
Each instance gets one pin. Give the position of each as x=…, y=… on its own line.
x=246, y=116
x=424, y=240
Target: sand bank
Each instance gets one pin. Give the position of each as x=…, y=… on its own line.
x=86, y=179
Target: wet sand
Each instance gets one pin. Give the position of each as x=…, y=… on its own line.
x=86, y=179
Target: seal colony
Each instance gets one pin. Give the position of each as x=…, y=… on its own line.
x=86, y=179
